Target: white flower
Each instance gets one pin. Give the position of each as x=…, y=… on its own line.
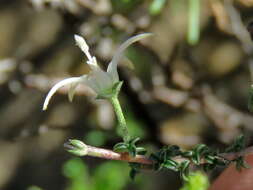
x=101, y=82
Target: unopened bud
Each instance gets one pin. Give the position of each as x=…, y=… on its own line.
x=80, y=41
x=76, y=147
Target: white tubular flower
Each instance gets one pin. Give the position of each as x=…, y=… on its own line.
x=103, y=83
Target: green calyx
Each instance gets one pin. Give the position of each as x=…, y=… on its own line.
x=111, y=92
x=76, y=147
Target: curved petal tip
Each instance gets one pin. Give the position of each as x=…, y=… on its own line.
x=56, y=87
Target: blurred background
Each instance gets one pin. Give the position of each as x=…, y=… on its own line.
x=187, y=84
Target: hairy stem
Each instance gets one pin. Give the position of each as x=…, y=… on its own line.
x=80, y=149
x=111, y=155
x=121, y=119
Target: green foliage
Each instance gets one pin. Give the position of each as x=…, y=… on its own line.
x=238, y=145
x=95, y=138
x=134, y=170
x=110, y=176
x=156, y=7
x=196, y=181
x=107, y=176
x=163, y=157
x=240, y=163
x=133, y=150
x=125, y=6
x=135, y=126
x=130, y=147
x=200, y=155
x=183, y=169
x=77, y=173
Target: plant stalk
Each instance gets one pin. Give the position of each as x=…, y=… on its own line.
x=121, y=119
x=87, y=150
x=193, y=23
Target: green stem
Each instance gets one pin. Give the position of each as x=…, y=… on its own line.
x=121, y=119
x=193, y=23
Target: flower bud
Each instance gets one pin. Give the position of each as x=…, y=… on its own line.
x=81, y=43
x=76, y=147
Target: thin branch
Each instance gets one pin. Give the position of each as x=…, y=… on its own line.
x=111, y=155
x=81, y=149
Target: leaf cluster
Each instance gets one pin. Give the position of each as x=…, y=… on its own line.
x=130, y=147
x=201, y=155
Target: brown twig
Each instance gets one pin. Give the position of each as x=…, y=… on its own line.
x=111, y=155
x=146, y=163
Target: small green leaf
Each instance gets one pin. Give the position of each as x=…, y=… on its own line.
x=135, y=168
x=132, y=150
x=141, y=150
x=119, y=144
x=130, y=147
x=238, y=145
x=197, y=181
x=240, y=163
x=187, y=153
x=184, y=170
x=171, y=164
x=121, y=147
x=198, y=152
x=134, y=140
x=209, y=159
x=133, y=173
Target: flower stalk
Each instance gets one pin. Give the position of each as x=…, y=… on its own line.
x=121, y=119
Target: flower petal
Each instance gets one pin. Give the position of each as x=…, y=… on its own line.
x=57, y=86
x=112, y=67
x=99, y=81
x=81, y=43
x=72, y=91
x=112, y=71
